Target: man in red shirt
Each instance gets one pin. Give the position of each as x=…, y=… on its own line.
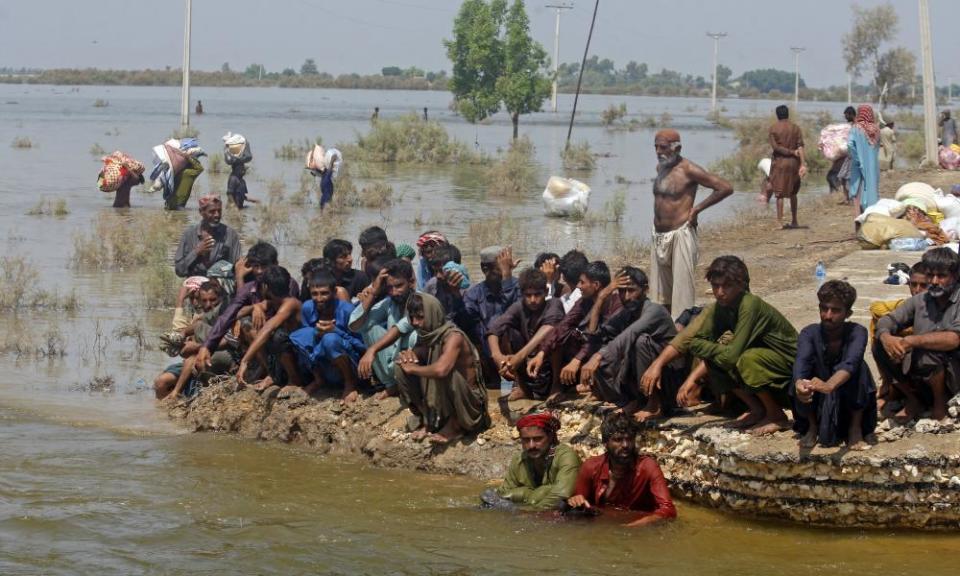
x=622, y=479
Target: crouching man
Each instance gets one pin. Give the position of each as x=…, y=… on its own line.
x=622, y=478
x=925, y=366
x=543, y=474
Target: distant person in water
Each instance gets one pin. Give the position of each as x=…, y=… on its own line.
x=199, y=109
x=622, y=478
x=237, y=186
x=122, y=197
x=789, y=163
x=376, y=114
x=675, y=249
x=425, y=116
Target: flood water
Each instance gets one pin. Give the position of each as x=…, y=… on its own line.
x=94, y=480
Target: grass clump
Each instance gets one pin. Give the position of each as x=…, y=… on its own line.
x=22, y=143
x=273, y=215
x=613, y=114
x=46, y=207
x=133, y=241
x=18, y=281
x=409, y=139
x=294, y=150
x=185, y=132
x=515, y=173
x=100, y=103
x=578, y=157
x=215, y=163
x=911, y=147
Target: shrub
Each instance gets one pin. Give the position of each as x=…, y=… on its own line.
x=409, y=139
x=613, y=114
x=578, y=157
x=97, y=150
x=296, y=150
x=22, y=143
x=515, y=173
x=45, y=207
x=185, y=132
x=121, y=243
x=100, y=103
x=215, y=163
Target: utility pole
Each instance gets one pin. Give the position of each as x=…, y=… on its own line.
x=556, y=51
x=849, y=89
x=949, y=88
x=929, y=96
x=583, y=63
x=716, y=55
x=185, y=85
x=796, y=77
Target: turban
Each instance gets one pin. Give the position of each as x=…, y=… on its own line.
x=432, y=238
x=544, y=420
x=489, y=254
x=194, y=283
x=405, y=251
x=208, y=200
x=668, y=134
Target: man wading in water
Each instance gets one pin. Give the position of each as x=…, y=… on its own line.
x=674, y=257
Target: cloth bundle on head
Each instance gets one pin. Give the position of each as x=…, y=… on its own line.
x=454, y=267
x=209, y=199
x=543, y=420
x=489, y=254
x=405, y=251
x=668, y=134
x=867, y=122
x=431, y=238
x=194, y=283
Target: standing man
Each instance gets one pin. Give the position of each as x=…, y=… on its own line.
x=948, y=129
x=675, y=248
x=206, y=243
x=888, y=146
x=789, y=164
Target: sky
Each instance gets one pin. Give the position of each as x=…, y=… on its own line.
x=363, y=36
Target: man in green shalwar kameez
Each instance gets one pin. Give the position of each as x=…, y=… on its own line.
x=756, y=361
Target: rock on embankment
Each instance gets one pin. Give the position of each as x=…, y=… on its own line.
x=910, y=479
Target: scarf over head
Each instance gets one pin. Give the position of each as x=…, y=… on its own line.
x=435, y=326
x=432, y=238
x=546, y=421
x=194, y=283
x=405, y=251
x=867, y=122
x=208, y=200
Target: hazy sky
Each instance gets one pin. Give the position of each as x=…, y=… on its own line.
x=364, y=35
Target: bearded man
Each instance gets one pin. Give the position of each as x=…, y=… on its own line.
x=675, y=218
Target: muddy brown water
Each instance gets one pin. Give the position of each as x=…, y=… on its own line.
x=94, y=480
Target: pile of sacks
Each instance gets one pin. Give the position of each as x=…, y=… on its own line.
x=236, y=149
x=919, y=216
x=176, y=167
x=117, y=167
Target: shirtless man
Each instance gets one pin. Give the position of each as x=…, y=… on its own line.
x=675, y=212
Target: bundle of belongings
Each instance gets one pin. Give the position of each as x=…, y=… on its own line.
x=320, y=160
x=898, y=273
x=565, y=197
x=117, y=167
x=236, y=149
x=949, y=157
x=833, y=140
x=918, y=217
x=176, y=167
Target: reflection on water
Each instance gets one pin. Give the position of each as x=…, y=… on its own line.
x=96, y=481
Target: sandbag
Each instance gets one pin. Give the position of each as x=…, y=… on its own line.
x=565, y=197
x=885, y=206
x=949, y=158
x=316, y=158
x=918, y=190
x=833, y=140
x=877, y=231
x=948, y=204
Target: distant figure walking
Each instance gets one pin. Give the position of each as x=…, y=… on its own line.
x=789, y=164
x=425, y=117
x=199, y=109
x=888, y=146
x=376, y=114
x=948, y=129
x=864, y=149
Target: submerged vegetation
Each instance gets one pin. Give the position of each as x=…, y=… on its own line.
x=409, y=139
x=22, y=143
x=47, y=207
x=578, y=157
x=294, y=150
x=515, y=172
x=19, y=281
x=116, y=242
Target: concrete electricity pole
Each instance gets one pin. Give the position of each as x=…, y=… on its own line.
x=796, y=77
x=556, y=51
x=185, y=85
x=929, y=96
x=716, y=55
x=849, y=89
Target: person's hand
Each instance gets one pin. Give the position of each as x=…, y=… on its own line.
x=259, y=315
x=533, y=366
x=242, y=371
x=621, y=280
x=803, y=170
x=804, y=391
x=692, y=218
x=325, y=326
x=379, y=281
x=508, y=367
x=578, y=501
x=182, y=295
x=588, y=370
x=205, y=245
x=453, y=279
x=506, y=263
x=549, y=269
x=894, y=346
x=240, y=270
x=650, y=381
x=818, y=385
x=406, y=360
x=202, y=361
x=568, y=376
x=365, y=366
x=688, y=394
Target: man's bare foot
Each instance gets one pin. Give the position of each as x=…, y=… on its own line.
x=939, y=412
x=287, y=390
x=451, y=431
x=647, y=415
x=583, y=389
x=746, y=420
x=350, y=396
x=263, y=384
x=766, y=427
x=516, y=394
x=629, y=409
x=911, y=411
x=420, y=433
x=385, y=393
x=855, y=441
x=809, y=439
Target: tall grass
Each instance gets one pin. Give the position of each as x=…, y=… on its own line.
x=215, y=163
x=578, y=157
x=752, y=135
x=514, y=173
x=294, y=150
x=272, y=215
x=185, y=132
x=46, y=207
x=409, y=139
x=22, y=143
x=116, y=242
x=97, y=150
x=613, y=114
x=18, y=288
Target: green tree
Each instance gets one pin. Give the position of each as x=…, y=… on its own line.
x=872, y=28
x=225, y=68
x=769, y=79
x=896, y=71
x=476, y=53
x=723, y=75
x=524, y=84
x=289, y=72
x=391, y=71
x=309, y=68
x=633, y=72
x=254, y=71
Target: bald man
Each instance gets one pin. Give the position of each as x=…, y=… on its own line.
x=675, y=248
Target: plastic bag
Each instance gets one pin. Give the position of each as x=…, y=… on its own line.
x=565, y=197
x=909, y=244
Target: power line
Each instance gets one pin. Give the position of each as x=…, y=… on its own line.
x=583, y=64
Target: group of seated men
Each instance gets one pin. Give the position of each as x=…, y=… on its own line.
x=564, y=326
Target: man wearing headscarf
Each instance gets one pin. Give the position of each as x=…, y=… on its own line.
x=426, y=244
x=543, y=474
x=675, y=218
x=206, y=243
x=948, y=129
x=789, y=164
x=440, y=379
x=863, y=147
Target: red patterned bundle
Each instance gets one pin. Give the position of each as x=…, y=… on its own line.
x=116, y=168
